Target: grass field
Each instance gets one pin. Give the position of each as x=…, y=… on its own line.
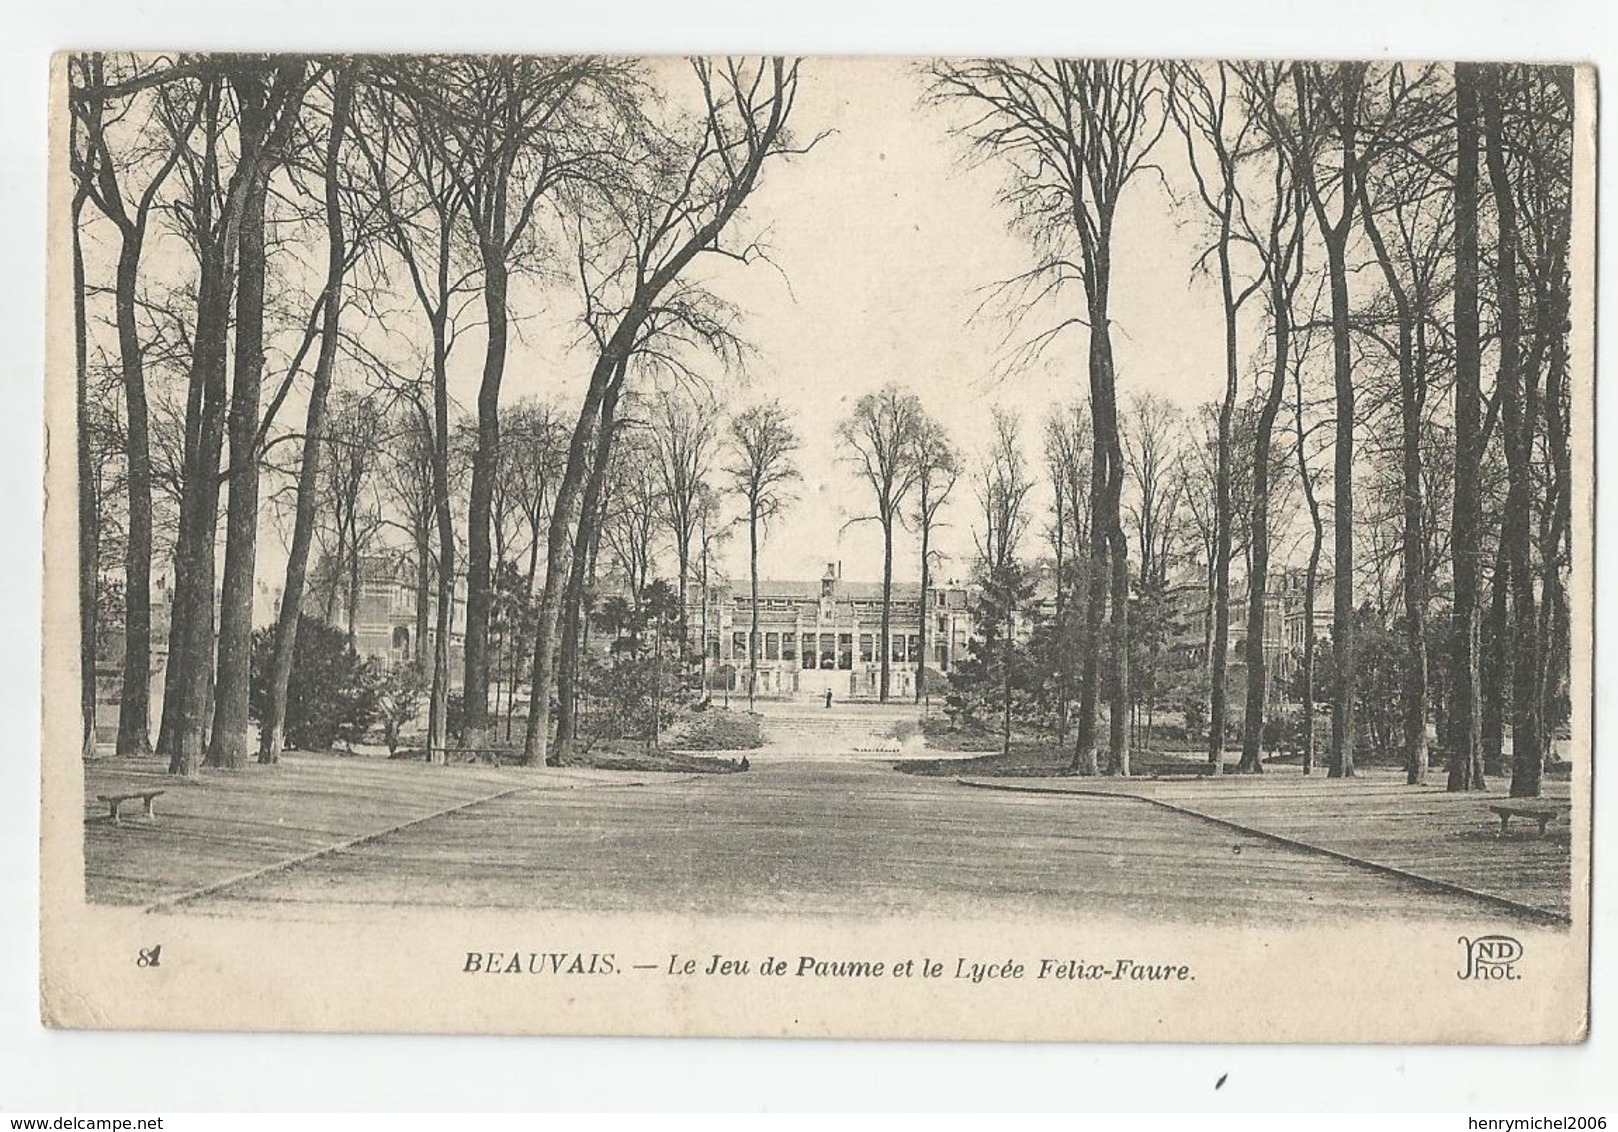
x=807, y=834
x=1375, y=817
x=223, y=824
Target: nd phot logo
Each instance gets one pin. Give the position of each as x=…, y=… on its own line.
x=1490, y=958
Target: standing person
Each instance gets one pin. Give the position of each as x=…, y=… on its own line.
x=828, y=699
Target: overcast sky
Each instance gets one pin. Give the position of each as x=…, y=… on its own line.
x=886, y=239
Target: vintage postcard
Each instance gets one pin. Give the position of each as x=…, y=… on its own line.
x=955, y=548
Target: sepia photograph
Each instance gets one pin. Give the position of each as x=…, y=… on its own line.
x=997, y=547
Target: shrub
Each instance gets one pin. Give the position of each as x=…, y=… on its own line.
x=719, y=730
x=332, y=693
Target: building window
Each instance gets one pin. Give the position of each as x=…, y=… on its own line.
x=738, y=646
x=915, y=652
x=713, y=647
x=867, y=647
x=845, y=651
x=808, y=650
x=828, y=650
x=898, y=652
x=772, y=646
x=789, y=646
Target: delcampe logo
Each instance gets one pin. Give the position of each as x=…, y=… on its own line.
x=1490, y=957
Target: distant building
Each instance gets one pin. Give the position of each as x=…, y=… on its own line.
x=1188, y=612
x=824, y=636
x=385, y=624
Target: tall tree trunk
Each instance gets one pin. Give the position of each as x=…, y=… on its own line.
x=1517, y=420
x=484, y=468
x=590, y=518
x=1118, y=707
x=191, y=634
x=1104, y=418
x=1007, y=648
x=191, y=655
x=1555, y=627
x=609, y=369
x=1412, y=392
x=1347, y=78
x=89, y=522
x=1466, y=750
x=272, y=726
x=1252, y=761
x=1342, y=634
x=1223, y=519
x=134, y=700
x=1495, y=665
x=923, y=625
x=887, y=605
x=1085, y=760
x=683, y=566
x=752, y=574
x=444, y=614
x=424, y=598
x=1059, y=546
x=351, y=602
x=1311, y=577
x=228, y=746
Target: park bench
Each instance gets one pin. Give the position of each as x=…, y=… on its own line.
x=115, y=802
x=1544, y=815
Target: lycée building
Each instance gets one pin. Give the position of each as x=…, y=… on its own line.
x=815, y=637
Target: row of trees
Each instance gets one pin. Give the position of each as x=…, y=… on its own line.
x=256, y=237
x=1398, y=235
x=261, y=225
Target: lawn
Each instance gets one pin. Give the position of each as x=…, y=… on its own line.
x=1374, y=816
x=222, y=824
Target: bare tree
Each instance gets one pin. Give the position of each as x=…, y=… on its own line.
x=938, y=467
x=1307, y=480
x=761, y=471
x=1465, y=708
x=337, y=263
x=1409, y=192
x=97, y=173
x=1149, y=436
x=1074, y=134
x=685, y=440
x=687, y=198
x=1328, y=113
x=631, y=526
x=1003, y=489
x=532, y=450
x=1283, y=256
x=1217, y=133
x=1067, y=462
x=268, y=105
x=508, y=130
x=222, y=219
x=421, y=213
x=1517, y=387
x=882, y=432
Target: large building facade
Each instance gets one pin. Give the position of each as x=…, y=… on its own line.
x=385, y=621
x=1284, y=618
x=825, y=636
